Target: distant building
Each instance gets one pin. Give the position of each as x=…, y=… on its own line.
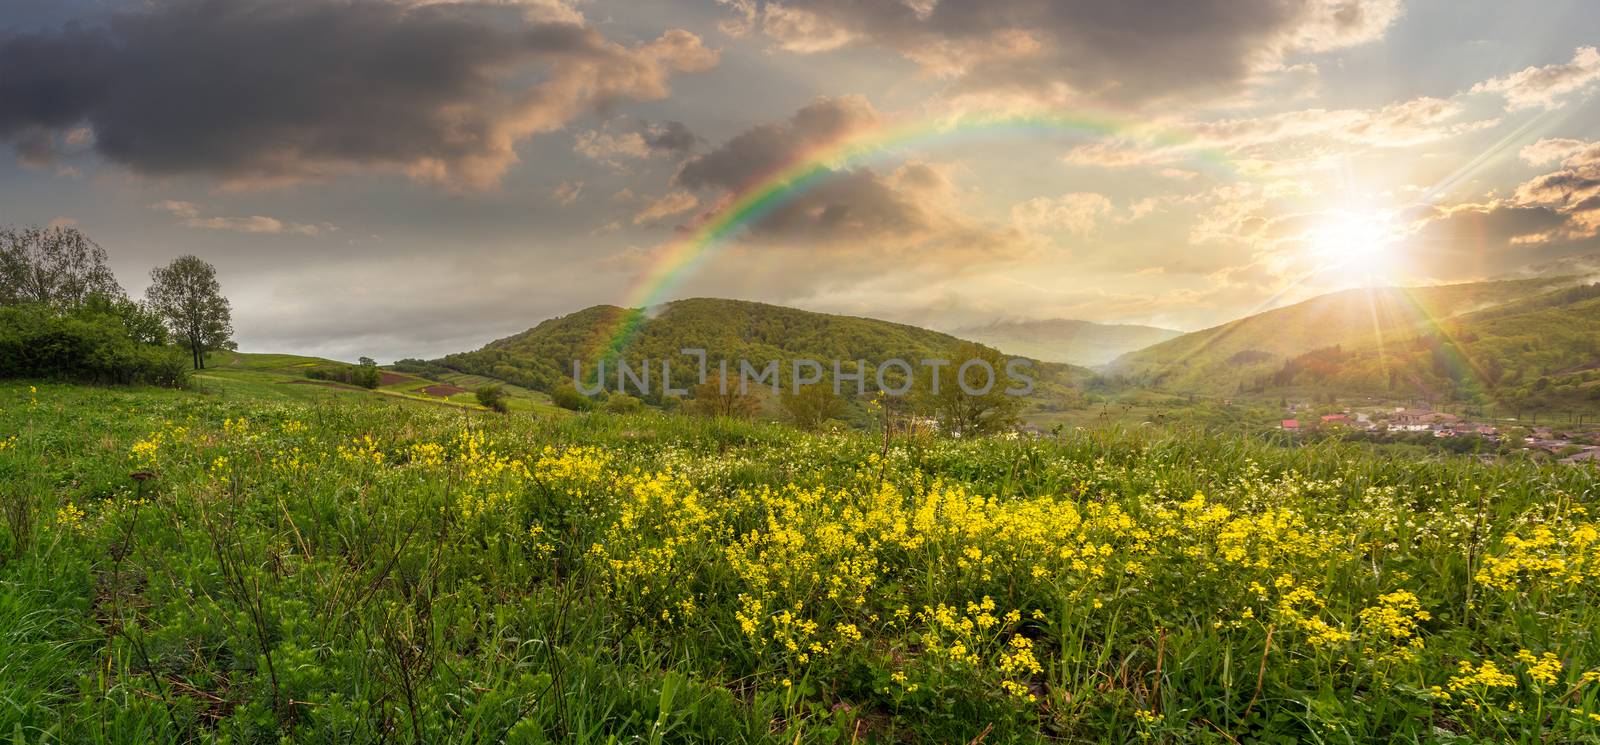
x=1589, y=455
x=1335, y=419
x=1291, y=424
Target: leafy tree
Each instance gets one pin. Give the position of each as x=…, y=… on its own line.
x=366, y=374
x=812, y=406
x=493, y=397
x=709, y=399
x=186, y=293
x=962, y=413
x=58, y=267
x=143, y=324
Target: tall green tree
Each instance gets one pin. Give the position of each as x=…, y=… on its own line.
x=187, y=295
x=982, y=407
x=812, y=406
x=58, y=267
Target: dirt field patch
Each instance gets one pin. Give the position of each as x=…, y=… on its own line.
x=443, y=390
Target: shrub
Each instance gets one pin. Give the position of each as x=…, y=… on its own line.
x=84, y=345
x=493, y=397
x=567, y=397
x=622, y=403
x=367, y=375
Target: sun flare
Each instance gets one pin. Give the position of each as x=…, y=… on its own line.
x=1355, y=242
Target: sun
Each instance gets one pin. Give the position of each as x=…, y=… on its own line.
x=1354, y=242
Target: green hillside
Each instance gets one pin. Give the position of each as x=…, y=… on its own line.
x=1226, y=358
x=541, y=357
x=1065, y=340
x=1536, y=353
x=286, y=377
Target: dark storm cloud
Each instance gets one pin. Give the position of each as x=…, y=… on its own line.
x=1050, y=48
x=670, y=137
x=1494, y=239
x=853, y=224
x=859, y=202
x=761, y=148
x=282, y=90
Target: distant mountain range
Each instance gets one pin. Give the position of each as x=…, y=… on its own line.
x=1064, y=340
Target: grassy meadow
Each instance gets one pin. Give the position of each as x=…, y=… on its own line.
x=259, y=561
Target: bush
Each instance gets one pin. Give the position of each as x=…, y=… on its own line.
x=84, y=345
x=493, y=397
x=622, y=403
x=366, y=376
x=567, y=397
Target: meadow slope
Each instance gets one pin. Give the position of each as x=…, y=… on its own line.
x=215, y=567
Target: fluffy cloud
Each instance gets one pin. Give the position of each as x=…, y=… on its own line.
x=1548, y=86
x=188, y=214
x=1055, y=50
x=273, y=91
x=1572, y=191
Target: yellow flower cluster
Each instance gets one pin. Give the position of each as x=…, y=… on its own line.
x=70, y=516
x=1551, y=558
x=1485, y=676
x=1542, y=669
x=1300, y=606
x=489, y=477
x=362, y=449
x=1393, y=624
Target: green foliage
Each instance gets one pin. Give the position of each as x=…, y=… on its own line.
x=186, y=294
x=421, y=368
x=363, y=376
x=91, y=344
x=715, y=399
x=970, y=398
x=622, y=403
x=365, y=573
x=812, y=406
x=57, y=267
x=566, y=396
x=493, y=397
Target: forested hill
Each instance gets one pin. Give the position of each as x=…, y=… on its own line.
x=542, y=356
x=1225, y=358
x=1537, y=353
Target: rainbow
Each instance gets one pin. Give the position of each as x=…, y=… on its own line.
x=802, y=172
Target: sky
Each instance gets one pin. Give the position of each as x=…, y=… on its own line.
x=410, y=178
